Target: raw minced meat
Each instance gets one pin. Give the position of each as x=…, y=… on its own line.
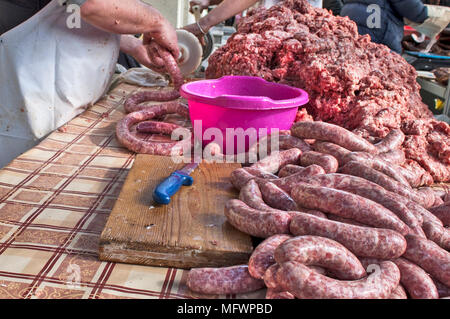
x=351, y=81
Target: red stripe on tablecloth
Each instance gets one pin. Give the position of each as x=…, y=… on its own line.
x=170, y=283
x=104, y=211
x=166, y=281
x=56, y=155
x=117, y=288
x=35, y=214
x=80, y=223
x=101, y=280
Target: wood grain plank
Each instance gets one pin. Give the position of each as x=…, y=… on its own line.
x=191, y=231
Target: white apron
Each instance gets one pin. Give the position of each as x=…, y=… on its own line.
x=49, y=73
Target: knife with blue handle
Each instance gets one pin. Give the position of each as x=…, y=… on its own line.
x=172, y=184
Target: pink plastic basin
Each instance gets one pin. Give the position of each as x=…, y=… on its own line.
x=248, y=106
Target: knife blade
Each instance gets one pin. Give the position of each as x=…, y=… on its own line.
x=172, y=184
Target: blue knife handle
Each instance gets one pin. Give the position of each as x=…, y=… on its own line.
x=164, y=191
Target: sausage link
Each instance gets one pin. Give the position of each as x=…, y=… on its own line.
x=389, y=169
x=332, y=149
x=282, y=141
x=277, y=160
x=362, y=241
x=226, y=280
x=288, y=182
x=239, y=177
x=442, y=212
x=399, y=293
x=304, y=283
x=420, y=211
x=275, y=294
x=172, y=68
x=155, y=127
x=362, y=187
x=262, y=257
x=443, y=290
x=393, y=140
x=254, y=222
x=276, y=197
x=326, y=161
x=364, y=171
x=322, y=252
x=418, y=231
x=428, y=196
x=347, y=205
x=290, y=170
x=394, y=156
x=270, y=275
x=134, y=144
x=429, y=256
x=251, y=195
x=332, y=133
x=415, y=280
x=437, y=233
x=345, y=220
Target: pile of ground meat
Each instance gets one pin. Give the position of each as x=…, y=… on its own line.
x=351, y=81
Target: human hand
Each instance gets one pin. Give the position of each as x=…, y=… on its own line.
x=165, y=36
x=195, y=30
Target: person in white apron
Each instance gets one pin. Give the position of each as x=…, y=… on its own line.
x=225, y=10
x=52, y=69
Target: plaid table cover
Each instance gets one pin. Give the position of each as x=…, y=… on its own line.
x=54, y=202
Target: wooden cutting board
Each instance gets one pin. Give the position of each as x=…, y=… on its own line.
x=191, y=231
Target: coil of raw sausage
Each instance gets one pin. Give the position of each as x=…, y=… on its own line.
x=347, y=205
x=137, y=145
x=304, y=283
x=155, y=127
x=437, y=233
x=277, y=160
x=251, y=195
x=226, y=280
x=276, y=197
x=429, y=256
x=332, y=133
x=362, y=241
x=393, y=140
x=254, y=222
x=262, y=257
x=322, y=252
x=415, y=280
x=328, y=162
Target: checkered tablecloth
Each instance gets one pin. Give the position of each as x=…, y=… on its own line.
x=54, y=202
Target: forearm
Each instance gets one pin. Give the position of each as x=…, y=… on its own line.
x=121, y=16
x=225, y=10
x=128, y=44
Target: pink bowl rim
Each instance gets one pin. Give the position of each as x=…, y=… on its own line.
x=245, y=102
